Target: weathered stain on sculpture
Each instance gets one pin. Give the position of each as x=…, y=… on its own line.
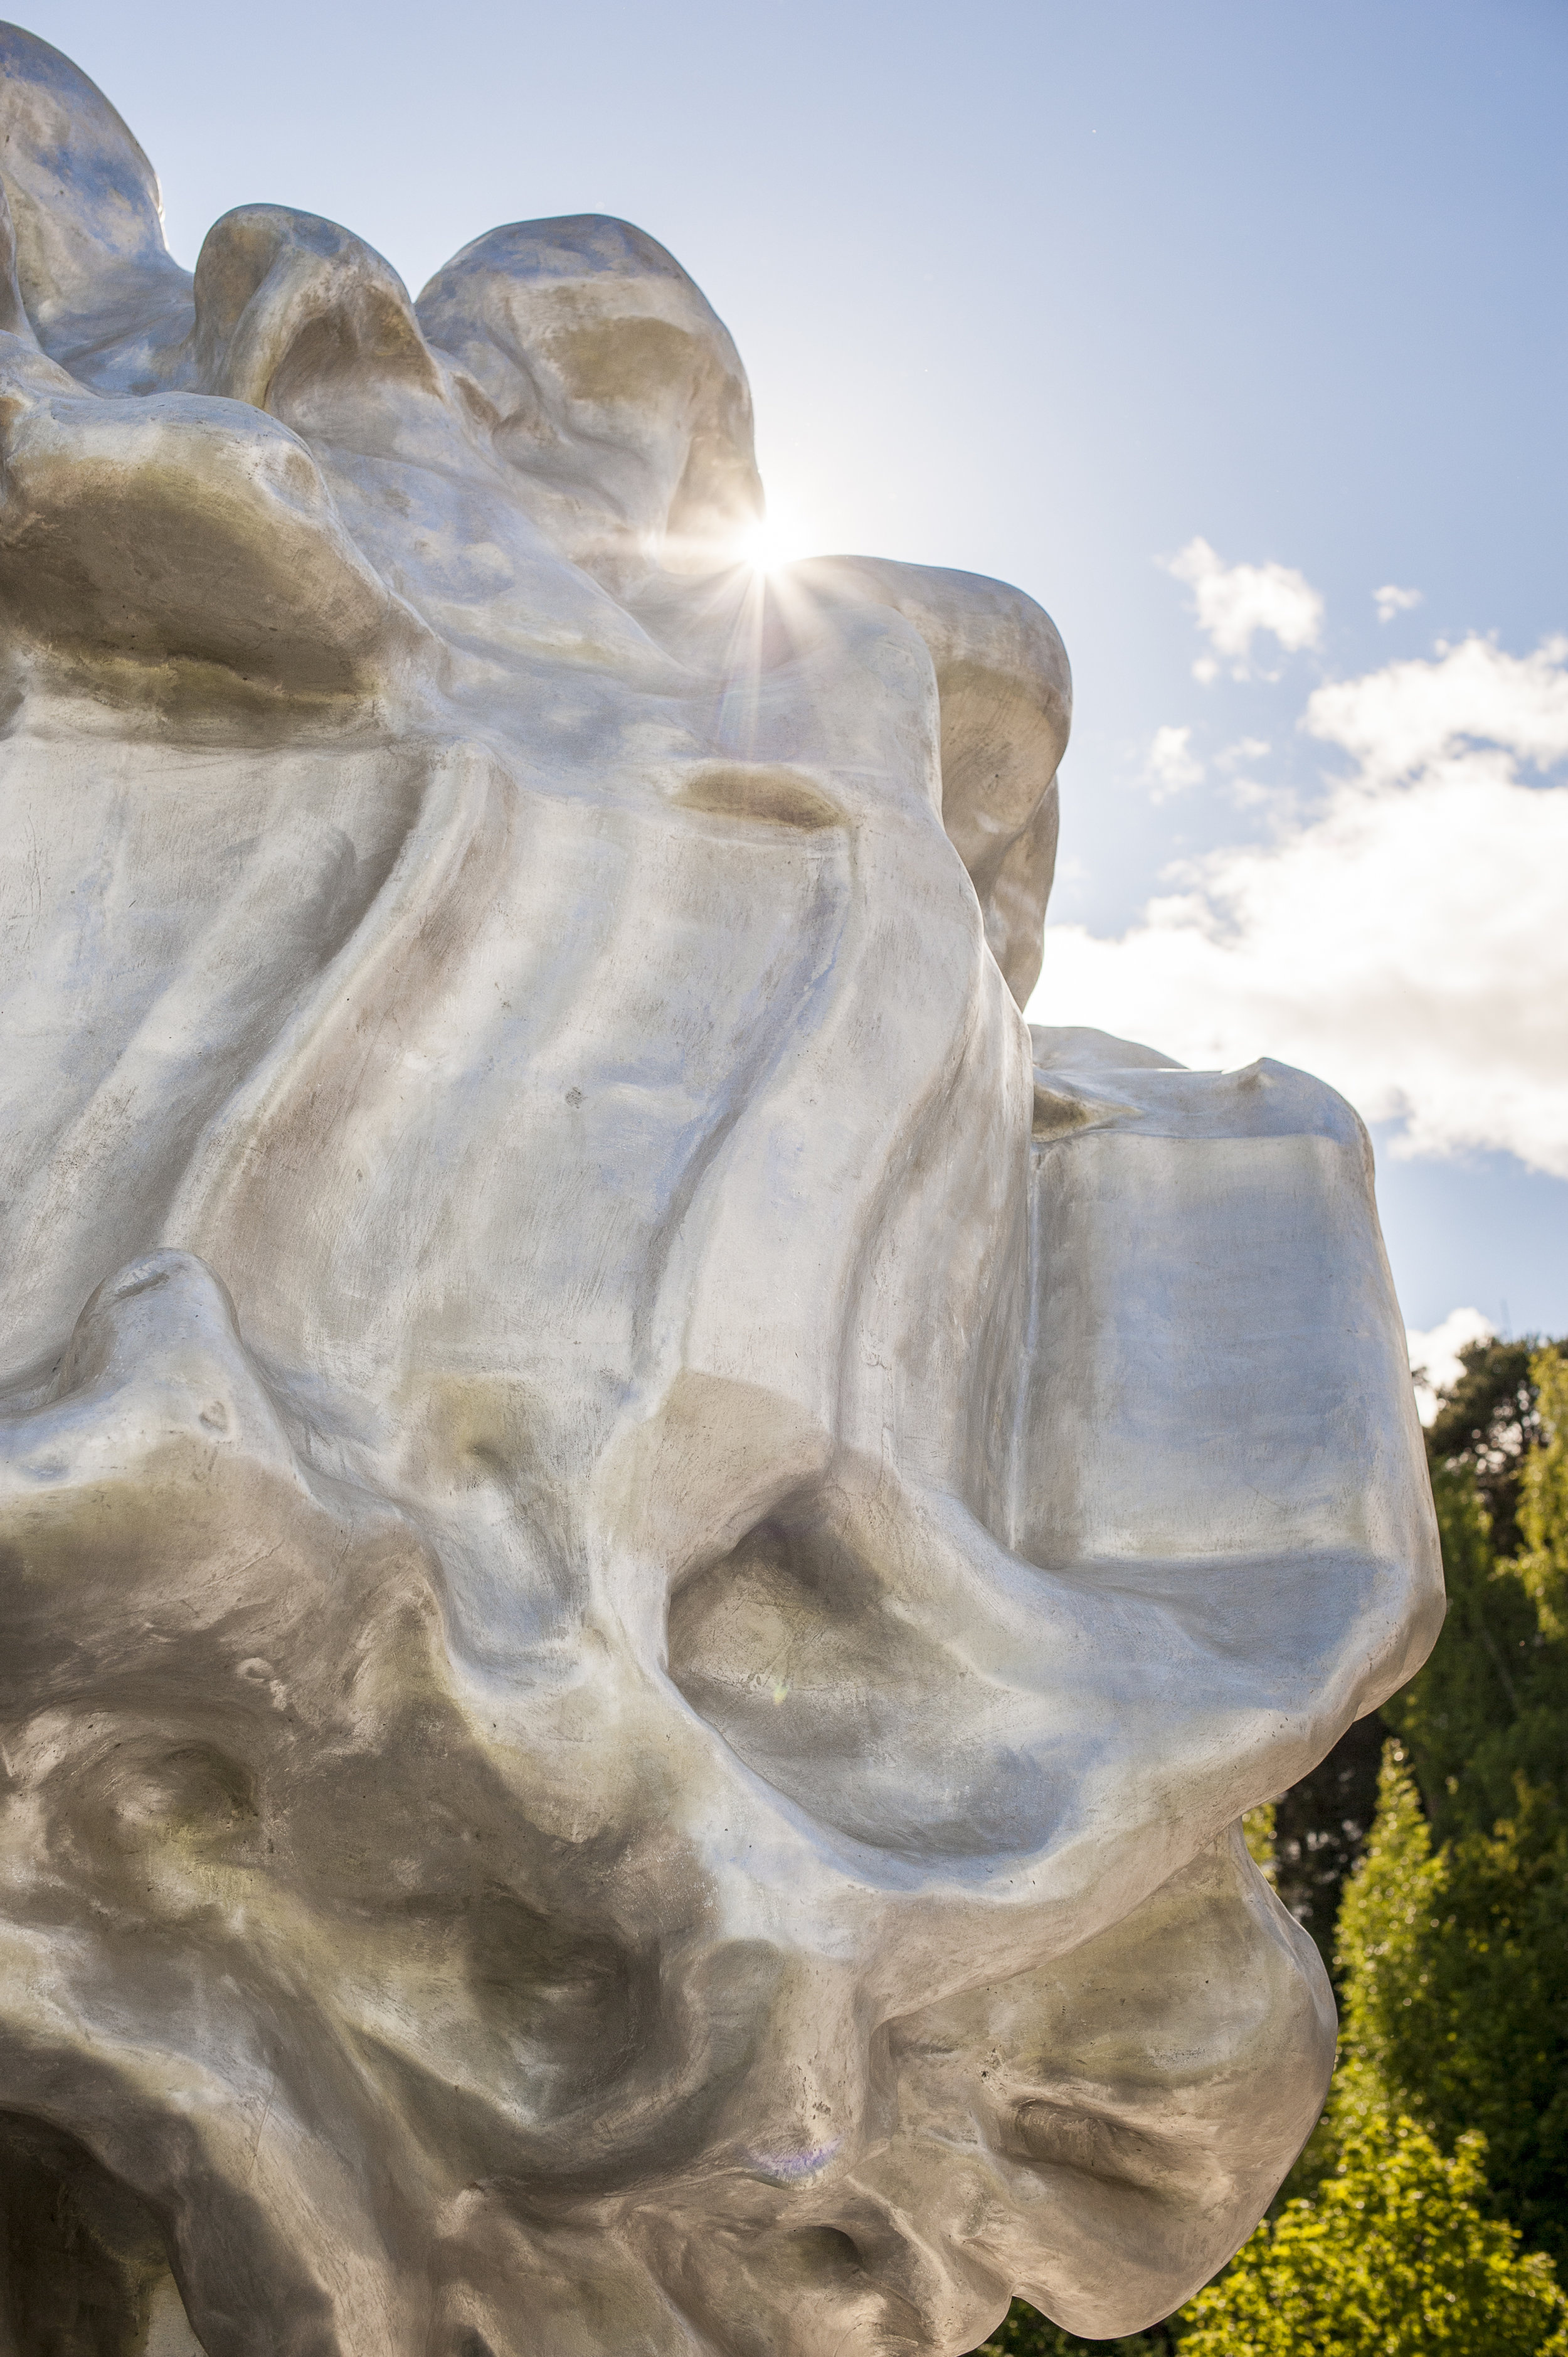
x=646, y=1553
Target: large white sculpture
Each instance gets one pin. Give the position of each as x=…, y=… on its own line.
x=637, y=1616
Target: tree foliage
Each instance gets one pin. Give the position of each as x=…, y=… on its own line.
x=1320, y=1827
x=1543, y=1499
x=1392, y=2257
x=1487, y=1422
x=1491, y=1706
x=1454, y=1970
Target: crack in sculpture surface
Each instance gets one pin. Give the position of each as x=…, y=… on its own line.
x=638, y=1612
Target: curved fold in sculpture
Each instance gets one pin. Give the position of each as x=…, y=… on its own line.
x=649, y=1552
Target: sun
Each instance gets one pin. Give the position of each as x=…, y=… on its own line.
x=774, y=539
x=760, y=544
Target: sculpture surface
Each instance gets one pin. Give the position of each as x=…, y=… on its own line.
x=646, y=1553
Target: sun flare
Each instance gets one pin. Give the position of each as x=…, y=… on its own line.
x=774, y=539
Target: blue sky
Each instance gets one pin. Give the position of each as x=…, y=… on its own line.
x=1060, y=292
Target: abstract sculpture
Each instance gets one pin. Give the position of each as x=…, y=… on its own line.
x=647, y=1556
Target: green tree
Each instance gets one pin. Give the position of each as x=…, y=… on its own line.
x=1455, y=1974
x=1487, y=1422
x=1390, y=2239
x=1491, y=1706
x=1392, y=2257
x=1455, y=1931
x=1543, y=1498
x=1320, y=1826
x=1458, y=1718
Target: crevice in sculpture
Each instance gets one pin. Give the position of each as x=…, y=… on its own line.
x=647, y=1553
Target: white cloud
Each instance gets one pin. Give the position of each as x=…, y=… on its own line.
x=1436, y=1354
x=1172, y=764
x=1390, y=600
x=1251, y=793
x=1401, y=720
x=1408, y=939
x=1246, y=749
x=1235, y=602
x=1247, y=792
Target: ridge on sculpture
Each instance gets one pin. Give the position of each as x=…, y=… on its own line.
x=649, y=1552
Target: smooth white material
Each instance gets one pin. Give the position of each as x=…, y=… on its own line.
x=638, y=1611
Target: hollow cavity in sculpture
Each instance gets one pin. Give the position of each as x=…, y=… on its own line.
x=649, y=1552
